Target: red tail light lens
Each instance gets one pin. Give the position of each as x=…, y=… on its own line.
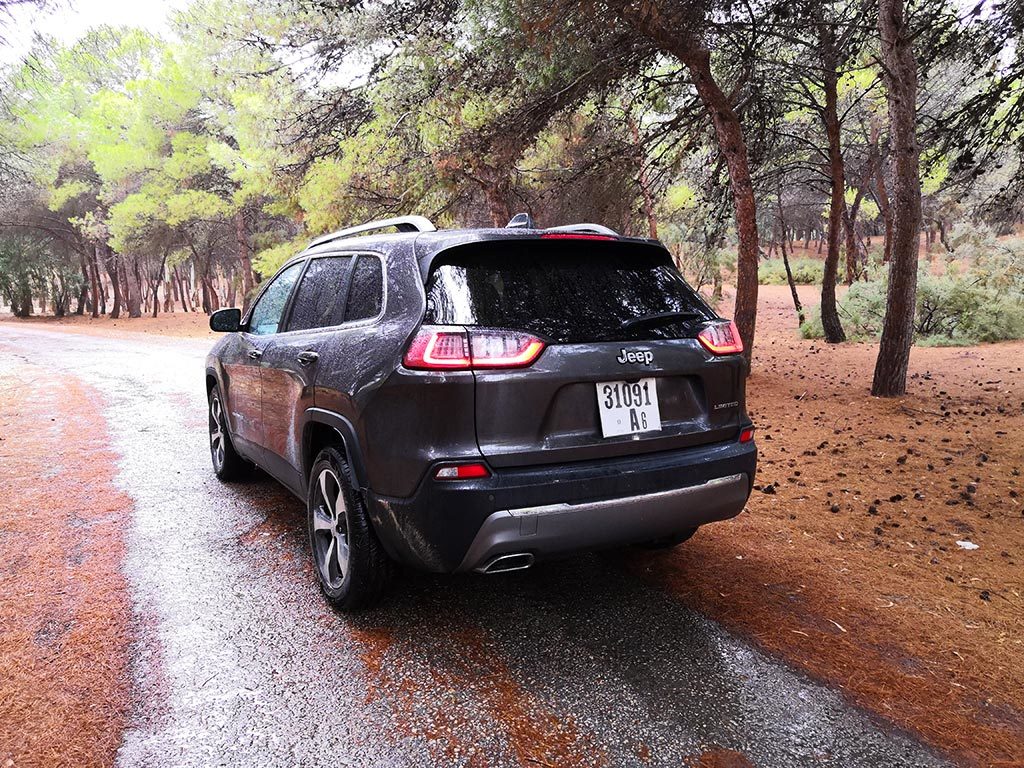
x=721, y=339
x=435, y=349
x=503, y=349
x=746, y=434
x=455, y=350
x=462, y=472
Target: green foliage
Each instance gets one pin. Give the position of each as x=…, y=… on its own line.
x=952, y=310
x=805, y=271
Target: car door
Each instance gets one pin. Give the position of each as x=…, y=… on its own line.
x=290, y=362
x=243, y=369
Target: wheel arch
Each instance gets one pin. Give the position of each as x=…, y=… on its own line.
x=323, y=428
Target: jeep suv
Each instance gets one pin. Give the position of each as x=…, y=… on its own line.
x=478, y=399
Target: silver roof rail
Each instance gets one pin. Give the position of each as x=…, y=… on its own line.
x=596, y=229
x=401, y=223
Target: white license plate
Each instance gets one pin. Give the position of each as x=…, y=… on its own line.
x=628, y=408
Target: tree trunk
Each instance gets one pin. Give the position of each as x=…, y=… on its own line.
x=244, y=260
x=900, y=75
x=83, y=295
x=789, y=272
x=646, y=196
x=133, y=286
x=885, y=208
x=829, y=313
x=112, y=263
x=733, y=147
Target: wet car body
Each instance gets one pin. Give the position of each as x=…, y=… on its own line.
x=550, y=482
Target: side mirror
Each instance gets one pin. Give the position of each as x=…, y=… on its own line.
x=226, y=320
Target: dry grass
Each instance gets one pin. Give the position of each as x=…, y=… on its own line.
x=64, y=614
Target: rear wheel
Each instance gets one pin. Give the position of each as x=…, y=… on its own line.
x=227, y=464
x=667, y=542
x=350, y=563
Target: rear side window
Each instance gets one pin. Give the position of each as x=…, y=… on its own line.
x=318, y=302
x=568, y=291
x=366, y=293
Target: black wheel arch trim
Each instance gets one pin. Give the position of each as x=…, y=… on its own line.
x=346, y=432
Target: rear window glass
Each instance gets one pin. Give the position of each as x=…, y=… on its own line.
x=569, y=292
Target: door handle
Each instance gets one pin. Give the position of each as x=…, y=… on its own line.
x=255, y=354
x=308, y=357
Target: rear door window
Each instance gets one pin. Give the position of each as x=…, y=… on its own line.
x=567, y=291
x=318, y=301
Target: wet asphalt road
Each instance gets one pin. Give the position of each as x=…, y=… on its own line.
x=238, y=662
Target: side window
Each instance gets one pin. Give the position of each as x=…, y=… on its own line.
x=318, y=302
x=367, y=290
x=266, y=315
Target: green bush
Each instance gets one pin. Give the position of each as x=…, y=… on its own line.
x=952, y=310
x=805, y=271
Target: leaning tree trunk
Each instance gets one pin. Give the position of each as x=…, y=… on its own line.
x=900, y=73
x=244, y=259
x=729, y=135
x=785, y=261
x=829, y=313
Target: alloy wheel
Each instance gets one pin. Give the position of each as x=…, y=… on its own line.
x=330, y=529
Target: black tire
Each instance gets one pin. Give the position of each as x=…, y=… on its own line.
x=668, y=542
x=360, y=578
x=227, y=464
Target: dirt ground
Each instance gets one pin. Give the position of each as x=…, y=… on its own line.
x=846, y=561
x=64, y=606
x=178, y=324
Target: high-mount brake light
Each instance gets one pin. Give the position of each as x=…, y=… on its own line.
x=721, y=339
x=574, y=236
x=462, y=472
x=456, y=350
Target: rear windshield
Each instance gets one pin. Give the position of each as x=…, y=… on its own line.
x=567, y=291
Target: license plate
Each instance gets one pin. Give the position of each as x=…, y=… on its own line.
x=628, y=408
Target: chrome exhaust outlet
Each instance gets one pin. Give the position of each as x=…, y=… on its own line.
x=518, y=561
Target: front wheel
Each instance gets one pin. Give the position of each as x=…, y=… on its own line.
x=227, y=464
x=350, y=563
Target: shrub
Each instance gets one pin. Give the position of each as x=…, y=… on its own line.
x=805, y=271
x=952, y=310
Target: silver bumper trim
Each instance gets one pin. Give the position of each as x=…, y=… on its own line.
x=562, y=528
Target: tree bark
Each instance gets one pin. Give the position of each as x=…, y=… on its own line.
x=837, y=204
x=112, y=263
x=133, y=287
x=733, y=147
x=900, y=74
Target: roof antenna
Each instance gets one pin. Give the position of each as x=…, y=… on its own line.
x=520, y=221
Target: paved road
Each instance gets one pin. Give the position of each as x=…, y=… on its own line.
x=238, y=661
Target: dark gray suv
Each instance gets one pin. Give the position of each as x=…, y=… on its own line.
x=475, y=400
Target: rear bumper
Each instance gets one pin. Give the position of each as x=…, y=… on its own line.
x=555, y=529
x=550, y=510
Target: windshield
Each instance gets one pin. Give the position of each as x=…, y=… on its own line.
x=569, y=292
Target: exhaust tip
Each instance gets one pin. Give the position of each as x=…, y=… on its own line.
x=518, y=561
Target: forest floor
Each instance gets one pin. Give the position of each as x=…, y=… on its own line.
x=882, y=549
x=847, y=560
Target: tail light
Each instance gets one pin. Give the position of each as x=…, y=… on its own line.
x=721, y=339
x=746, y=434
x=457, y=350
x=462, y=472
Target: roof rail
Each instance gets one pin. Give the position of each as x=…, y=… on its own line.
x=401, y=223
x=597, y=229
